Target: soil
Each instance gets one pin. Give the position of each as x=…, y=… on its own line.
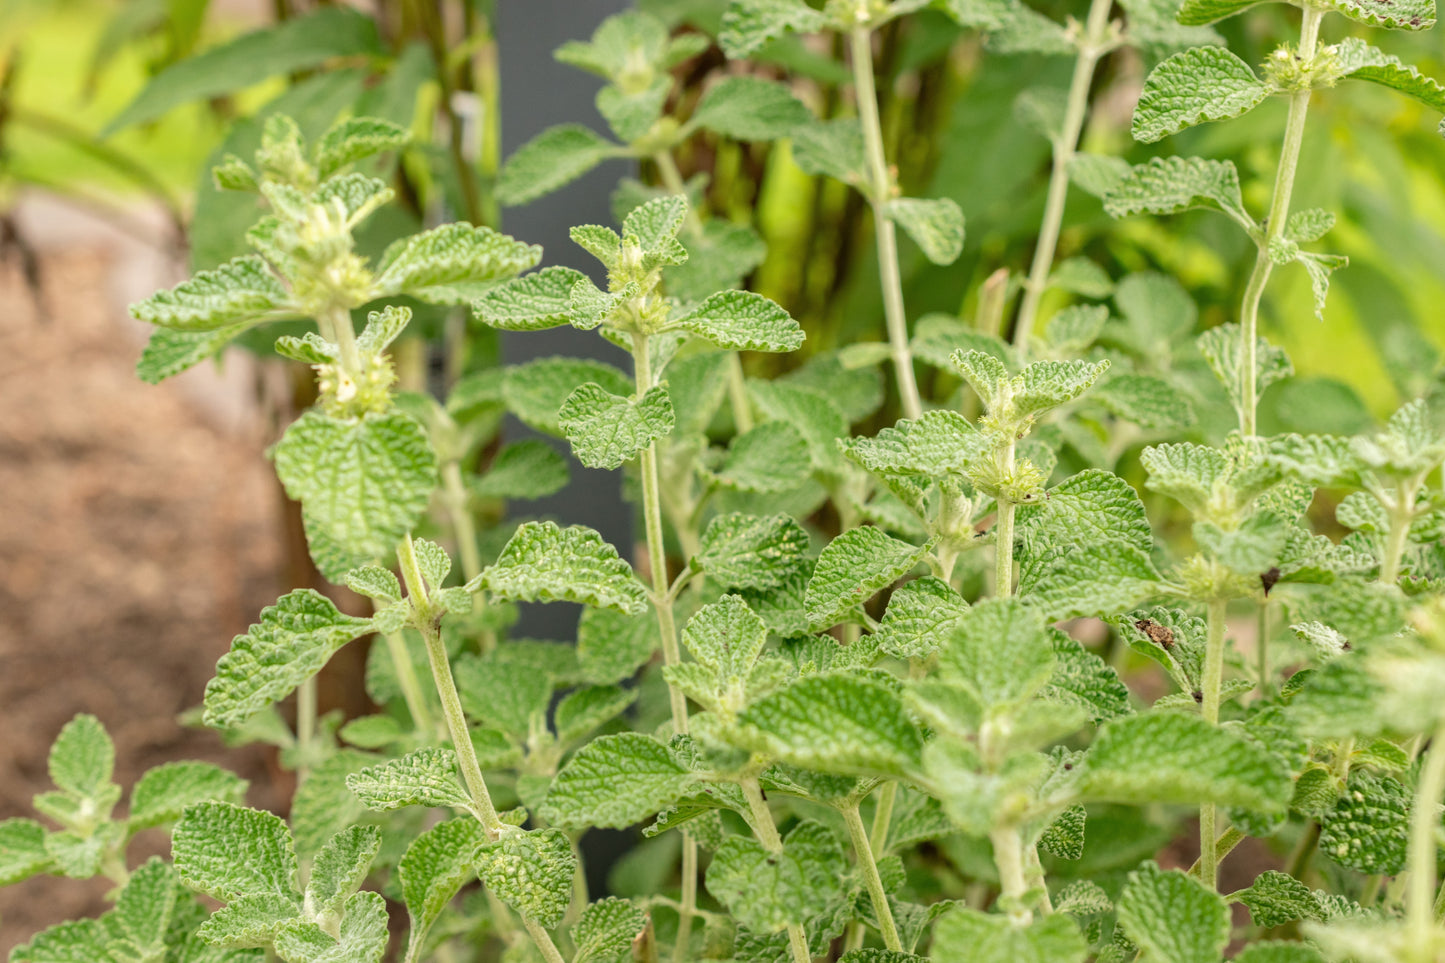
x=138, y=534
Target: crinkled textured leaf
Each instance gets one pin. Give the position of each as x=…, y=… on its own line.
x=815, y=416
x=1069, y=579
x=936, y=225
x=1172, y=916
x=552, y=159
x=1168, y=185
x=291, y=643
x=227, y=851
x=632, y=114
x=1147, y=401
x=75, y=941
x=1064, y=837
x=833, y=148
x=170, y=352
x=362, y=484
x=1200, y=12
x=435, y=866
x=341, y=867
x=1073, y=329
x=921, y=616
x=22, y=850
x=523, y=469
x=354, y=138
x=607, y=430
x=82, y=758
x=853, y=568
x=615, y=781
x=743, y=321
x=1092, y=505
x=452, y=264
x=771, y=457
x=583, y=710
x=363, y=935
x=967, y=934
x=76, y=856
x=1187, y=473
x=766, y=891
x=611, y=645
x=653, y=226
x=1173, y=757
x=1369, y=828
x=1048, y=384
x=606, y=929
x=998, y=652
x=1192, y=87
x=163, y=792
x=839, y=723
x=750, y=108
x=427, y=777
x=1248, y=550
x=726, y=636
x=242, y=290
x=542, y=299
x=935, y=444
x=751, y=552
x=748, y=24
x=546, y=563
x=505, y=694
x=1276, y=898
x=1361, y=61
x=1406, y=15
x=1084, y=679
x=1279, y=952
x=1221, y=348
x=534, y=391
x=530, y=872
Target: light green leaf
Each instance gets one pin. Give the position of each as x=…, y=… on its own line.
x=766, y=891
x=170, y=352
x=921, y=616
x=1168, y=185
x=1022, y=29
x=1369, y=828
x=504, y=694
x=228, y=851
x=615, y=781
x=530, y=872
x=718, y=259
x=748, y=24
x=1172, y=917
x=452, y=264
x=606, y=930
x=362, y=938
x=523, y=469
x=1251, y=549
x=1221, y=347
x=632, y=114
x=427, y=777
x=815, y=416
x=1310, y=224
x=1276, y=898
x=82, y=758
x=611, y=645
x=853, y=568
x=770, y=457
x=340, y=868
x=546, y=563
x=1084, y=679
x=623, y=42
x=1319, y=268
x=1047, y=384
x=999, y=653
x=164, y=792
x=832, y=148
x=374, y=582
x=362, y=483
x=1076, y=327
x=726, y=636
x=552, y=159
x=291, y=643
x=607, y=430
x=355, y=138
x=542, y=299
x=935, y=225
x=75, y=941
x=1174, y=757
x=967, y=934
x=1064, y=837
x=143, y=912
x=653, y=227
x=1361, y=61
x=937, y=443
x=435, y=866
x=751, y=552
x=22, y=850
x=1093, y=505
x=1192, y=87
x=1066, y=580
x=743, y=321
x=534, y=391
x=1279, y=952
x=1401, y=15
x=75, y=855
x=750, y=108
x=242, y=291
x=583, y=710
x=840, y=723
x=1147, y=401
x=1197, y=13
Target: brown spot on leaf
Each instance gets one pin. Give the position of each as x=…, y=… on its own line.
x=1268, y=579
x=1160, y=635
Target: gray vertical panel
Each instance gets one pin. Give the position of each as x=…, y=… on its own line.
x=538, y=92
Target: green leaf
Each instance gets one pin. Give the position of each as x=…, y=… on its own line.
x=583, y=710
x=621, y=43
x=341, y=867
x=362, y=938
x=718, y=259
x=750, y=108
x=1149, y=402
x=534, y=391
x=502, y=693
x=435, y=866
x=967, y=934
x=606, y=930
x=1067, y=580
x=935, y=444
x=751, y=552
x=853, y=568
x=523, y=469
x=615, y=782
x=144, y=911
x=1076, y=327
x=363, y=483
x=82, y=758
x=228, y=851
x=1320, y=267
x=1173, y=757
x=921, y=616
x=75, y=941
x=653, y=227
x=1279, y=952
x=771, y=457
x=168, y=352
x=299, y=44
x=936, y=225
x=355, y=138
x=1047, y=384
x=552, y=159
x=766, y=891
x=1361, y=61
x=1168, y=185
x=816, y=417
x=832, y=148
x=452, y=264
x=242, y=291
x=1252, y=548
x=726, y=636
x=1197, y=13
x=1369, y=828
x=1172, y=916
x=427, y=777
x=632, y=114
x=291, y=643
x=164, y=792
x=607, y=430
x=1402, y=15
x=530, y=872
x=542, y=299
x=1064, y=837
x=743, y=321
x=1192, y=87
x=611, y=646
x=1094, y=505
x=1221, y=347
x=998, y=652
x=75, y=855
x=546, y=563
x=748, y=24
x=839, y=723
x=1079, y=275
x=1276, y=898
x=22, y=850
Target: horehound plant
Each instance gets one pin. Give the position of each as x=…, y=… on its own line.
x=873, y=752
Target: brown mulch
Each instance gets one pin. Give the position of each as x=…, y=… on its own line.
x=136, y=538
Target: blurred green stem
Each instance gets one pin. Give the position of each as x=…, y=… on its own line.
x=1424, y=830
x=1209, y=709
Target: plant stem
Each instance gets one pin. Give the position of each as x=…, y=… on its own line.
x=864, y=850
x=1008, y=856
x=1262, y=649
x=1299, y=859
x=1299, y=104
x=544, y=942
x=335, y=323
x=688, y=906
x=1424, y=825
x=464, y=531
x=1223, y=846
x=466, y=178
x=879, y=192
x=767, y=832
x=1209, y=709
x=1003, y=549
x=1402, y=513
x=305, y=724
x=409, y=684
x=1092, y=46
x=882, y=818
